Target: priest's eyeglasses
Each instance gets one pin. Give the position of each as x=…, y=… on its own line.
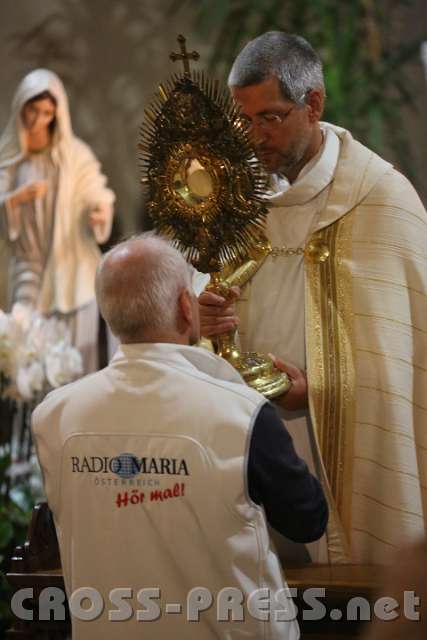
x=270, y=121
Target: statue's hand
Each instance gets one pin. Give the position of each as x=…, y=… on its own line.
x=100, y=219
x=99, y=216
x=217, y=314
x=297, y=396
x=29, y=192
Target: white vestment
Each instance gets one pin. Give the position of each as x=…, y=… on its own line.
x=53, y=248
x=145, y=470
x=352, y=310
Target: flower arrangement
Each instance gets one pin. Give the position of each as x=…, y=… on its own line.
x=36, y=354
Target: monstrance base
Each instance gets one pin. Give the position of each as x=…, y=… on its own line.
x=259, y=372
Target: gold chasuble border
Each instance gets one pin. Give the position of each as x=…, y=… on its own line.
x=330, y=356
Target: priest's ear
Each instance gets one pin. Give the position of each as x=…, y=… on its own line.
x=315, y=100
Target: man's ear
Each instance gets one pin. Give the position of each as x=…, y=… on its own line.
x=315, y=101
x=185, y=310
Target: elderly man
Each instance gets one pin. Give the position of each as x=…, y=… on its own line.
x=340, y=299
x=162, y=469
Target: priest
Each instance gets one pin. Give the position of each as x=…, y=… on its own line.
x=340, y=301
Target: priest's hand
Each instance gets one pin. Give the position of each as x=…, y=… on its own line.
x=217, y=314
x=297, y=396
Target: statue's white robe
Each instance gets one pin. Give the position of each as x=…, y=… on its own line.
x=67, y=284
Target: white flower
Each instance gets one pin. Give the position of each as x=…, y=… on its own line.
x=56, y=331
x=7, y=335
x=22, y=315
x=63, y=364
x=4, y=323
x=35, y=353
x=37, y=335
x=30, y=380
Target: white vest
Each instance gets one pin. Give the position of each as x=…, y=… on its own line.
x=145, y=467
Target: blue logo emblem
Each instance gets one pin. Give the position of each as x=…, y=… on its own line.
x=125, y=465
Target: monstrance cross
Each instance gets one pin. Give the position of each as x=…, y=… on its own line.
x=185, y=55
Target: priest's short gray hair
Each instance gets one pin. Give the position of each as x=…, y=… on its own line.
x=289, y=58
x=138, y=283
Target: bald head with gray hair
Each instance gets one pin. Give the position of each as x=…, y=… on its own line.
x=289, y=58
x=139, y=284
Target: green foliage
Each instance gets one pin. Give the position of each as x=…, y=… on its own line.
x=16, y=505
x=363, y=63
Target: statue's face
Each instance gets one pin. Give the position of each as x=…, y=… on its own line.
x=281, y=131
x=37, y=115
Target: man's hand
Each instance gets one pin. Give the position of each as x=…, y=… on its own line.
x=217, y=314
x=297, y=396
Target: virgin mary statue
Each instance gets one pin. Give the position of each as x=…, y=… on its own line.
x=55, y=209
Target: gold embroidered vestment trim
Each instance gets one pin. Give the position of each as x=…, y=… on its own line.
x=330, y=359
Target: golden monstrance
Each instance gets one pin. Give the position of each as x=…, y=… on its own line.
x=204, y=191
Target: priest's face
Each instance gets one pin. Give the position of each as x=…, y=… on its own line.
x=284, y=134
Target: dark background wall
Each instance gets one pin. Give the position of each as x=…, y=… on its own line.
x=111, y=54
x=411, y=25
